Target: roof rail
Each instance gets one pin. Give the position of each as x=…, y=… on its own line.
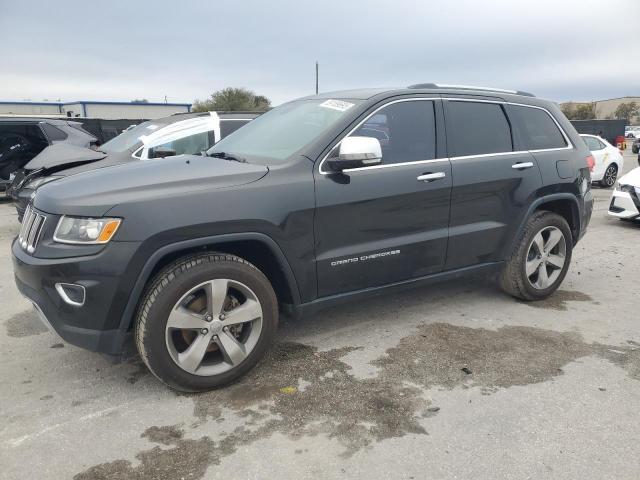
x=471, y=87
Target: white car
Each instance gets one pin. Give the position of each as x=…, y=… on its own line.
x=625, y=201
x=632, y=132
x=609, y=160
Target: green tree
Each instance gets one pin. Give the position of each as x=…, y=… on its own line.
x=233, y=100
x=627, y=111
x=580, y=111
x=569, y=109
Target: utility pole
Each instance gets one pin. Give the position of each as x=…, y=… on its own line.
x=316, y=78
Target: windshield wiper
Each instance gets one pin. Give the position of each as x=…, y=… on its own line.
x=227, y=156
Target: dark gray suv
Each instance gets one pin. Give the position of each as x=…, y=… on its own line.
x=321, y=200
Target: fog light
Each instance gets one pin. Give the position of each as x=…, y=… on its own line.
x=71, y=293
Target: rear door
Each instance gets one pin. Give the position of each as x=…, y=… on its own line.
x=381, y=224
x=492, y=181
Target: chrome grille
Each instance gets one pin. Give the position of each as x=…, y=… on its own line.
x=32, y=224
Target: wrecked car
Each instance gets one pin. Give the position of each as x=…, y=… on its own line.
x=22, y=138
x=174, y=135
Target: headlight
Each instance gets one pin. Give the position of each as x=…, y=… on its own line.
x=86, y=231
x=38, y=182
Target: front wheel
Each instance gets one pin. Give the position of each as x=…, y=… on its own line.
x=610, y=176
x=206, y=320
x=540, y=259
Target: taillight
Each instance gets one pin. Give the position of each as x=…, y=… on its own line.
x=591, y=163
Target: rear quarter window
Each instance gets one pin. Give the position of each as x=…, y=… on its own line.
x=478, y=129
x=54, y=134
x=227, y=127
x=535, y=129
x=593, y=143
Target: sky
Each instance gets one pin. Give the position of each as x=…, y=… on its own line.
x=122, y=50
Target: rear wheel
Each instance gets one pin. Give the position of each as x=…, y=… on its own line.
x=206, y=320
x=610, y=176
x=540, y=259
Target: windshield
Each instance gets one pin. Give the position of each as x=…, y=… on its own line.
x=129, y=139
x=284, y=130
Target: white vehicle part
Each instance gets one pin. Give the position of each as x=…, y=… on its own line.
x=623, y=200
x=604, y=157
x=178, y=130
x=632, y=178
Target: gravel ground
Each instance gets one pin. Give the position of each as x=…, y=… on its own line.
x=449, y=381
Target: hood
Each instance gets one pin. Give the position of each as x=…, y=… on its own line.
x=93, y=193
x=631, y=178
x=63, y=154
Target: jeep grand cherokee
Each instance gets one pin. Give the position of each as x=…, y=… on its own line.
x=321, y=200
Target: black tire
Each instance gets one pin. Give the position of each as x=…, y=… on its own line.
x=513, y=278
x=608, y=182
x=169, y=286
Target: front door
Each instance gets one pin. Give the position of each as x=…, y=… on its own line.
x=386, y=223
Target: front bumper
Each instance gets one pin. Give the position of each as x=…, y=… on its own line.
x=95, y=325
x=624, y=204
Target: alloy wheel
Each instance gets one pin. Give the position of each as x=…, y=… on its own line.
x=546, y=257
x=214, y=327
x=610, y=175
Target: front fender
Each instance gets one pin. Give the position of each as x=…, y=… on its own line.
x=155, y=258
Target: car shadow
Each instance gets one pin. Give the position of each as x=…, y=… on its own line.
x=378, y=310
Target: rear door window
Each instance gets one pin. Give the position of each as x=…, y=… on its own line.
x=535, y=128
x=406, y=131
x=478, y=129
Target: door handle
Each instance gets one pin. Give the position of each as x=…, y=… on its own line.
x=522, y=165
x=430, y=177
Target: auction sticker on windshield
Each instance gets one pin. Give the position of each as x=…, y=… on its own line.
x=338, y=105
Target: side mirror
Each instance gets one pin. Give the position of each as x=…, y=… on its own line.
x=162, y=152
x=356, y=152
